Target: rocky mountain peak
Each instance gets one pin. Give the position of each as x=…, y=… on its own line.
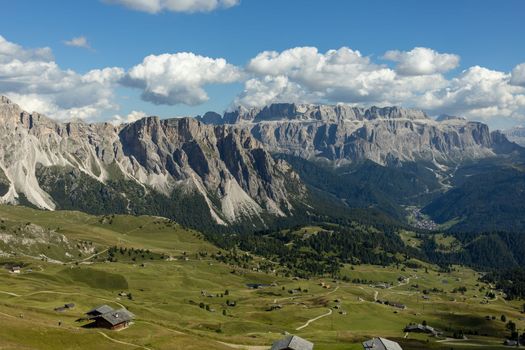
x=226, y=167
x=5, y=100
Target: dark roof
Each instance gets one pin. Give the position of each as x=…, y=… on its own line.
x=118, y=316
x=292, y=342
x=102, y=309
x=381, y=344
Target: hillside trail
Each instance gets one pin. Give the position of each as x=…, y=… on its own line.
x=245, y=347
x=123, y=342
x=313, y=320
x=61, y=293
x=86, y=259
x=460, y=342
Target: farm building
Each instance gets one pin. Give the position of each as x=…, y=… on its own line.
x=100, y=310
x=64, y=307
x=292, y=342
x=114, y=320
x=15, y=269
x=419, y=328
x=396, y=305
x=381, y=344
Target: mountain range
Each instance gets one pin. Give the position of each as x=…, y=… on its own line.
x=516, y=134
x=255, y=166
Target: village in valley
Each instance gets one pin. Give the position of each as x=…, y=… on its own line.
x=148, y=283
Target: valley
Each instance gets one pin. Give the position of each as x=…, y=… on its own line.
x=180, y=293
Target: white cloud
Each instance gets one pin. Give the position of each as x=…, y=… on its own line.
x=32, y=77
x=130, y=118
x=80, y=41
x=303, y=74
x=8, y=50
x=518, y=75
x=179, y=78
x=156, y=6
x=477, y=93
x=422, y=61
x=273, y=89
x=342, y=75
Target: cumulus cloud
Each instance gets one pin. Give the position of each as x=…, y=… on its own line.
x=32, y=77
x=518, y=75
x=422, y=61
x=80, y=41
x=156, y=6
x=477, y=93
x=273, y=89
x=179, y=78
x=130, y=118
x=342, y=75
x=304, y=74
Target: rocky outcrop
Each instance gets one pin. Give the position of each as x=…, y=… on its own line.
x=516, y=134
x=227, y=166
x=344, y=133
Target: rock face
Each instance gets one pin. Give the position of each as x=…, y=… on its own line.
x=516, y=134
x=346, y=134
x=234, y=174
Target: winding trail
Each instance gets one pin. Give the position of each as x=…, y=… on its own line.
x=313, y=320
x=460, y=342
x=9, y=293
x=244, y=347
x=123, y=342
x=61, y=293
x=86, y=259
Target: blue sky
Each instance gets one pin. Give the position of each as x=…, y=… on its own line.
x=488, y=34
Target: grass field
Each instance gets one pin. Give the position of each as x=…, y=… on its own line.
x=166, y=293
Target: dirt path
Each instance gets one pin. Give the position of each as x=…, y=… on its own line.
x=335, y=290
x=459, y=342
x=407, y=281
x=287, y=298
x=233, y=346
x=86, y=259
x=298, y=296
x=62, y=293
x=123, y=342
x=313, y=320
x=11, y=294
x=245, y=347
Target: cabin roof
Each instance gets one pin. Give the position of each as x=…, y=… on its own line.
x=118, y=316
x=292, y=342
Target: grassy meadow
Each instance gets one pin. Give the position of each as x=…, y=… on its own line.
x=180, y=295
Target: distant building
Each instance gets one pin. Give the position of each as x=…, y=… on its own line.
x=419, y=328
x=64, y=307
x=257, y=285
x=292, y=342
x=100, y=310
x=114, y=320
x=16, y=269
x=381, y=344
x=396, y=305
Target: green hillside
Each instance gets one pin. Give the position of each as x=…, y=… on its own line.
x=184, y=297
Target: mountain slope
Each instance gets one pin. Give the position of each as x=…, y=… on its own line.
x=344, y=134
x=486, y=197
x=141, y=167
x=516, y=134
